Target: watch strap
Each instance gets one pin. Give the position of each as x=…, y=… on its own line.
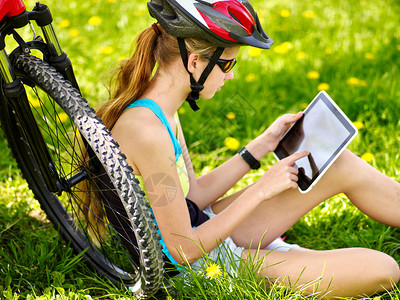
x=246, y=155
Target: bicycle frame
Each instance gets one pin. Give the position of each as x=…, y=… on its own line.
x=15, y=16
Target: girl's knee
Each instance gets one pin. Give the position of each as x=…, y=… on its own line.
x=387, y=272
x=373, y=272
x=393, y=270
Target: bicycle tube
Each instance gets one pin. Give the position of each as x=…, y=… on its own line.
x=65, y=120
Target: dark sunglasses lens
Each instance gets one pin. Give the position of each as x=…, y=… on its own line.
x=228, y=65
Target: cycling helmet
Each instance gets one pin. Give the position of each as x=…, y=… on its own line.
x=224, y=23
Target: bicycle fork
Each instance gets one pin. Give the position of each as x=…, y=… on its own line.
x=14, y=93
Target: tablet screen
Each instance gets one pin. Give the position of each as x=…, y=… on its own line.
x=324, y=131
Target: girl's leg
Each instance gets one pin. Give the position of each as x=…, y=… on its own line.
x=375, y=194
x=337, y=273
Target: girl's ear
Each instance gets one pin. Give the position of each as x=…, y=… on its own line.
x=193, y=62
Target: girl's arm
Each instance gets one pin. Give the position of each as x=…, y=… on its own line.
x=187, y=244
x=151, y=153
x=208, y=188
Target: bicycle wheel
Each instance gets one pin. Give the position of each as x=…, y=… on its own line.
x=80, y=146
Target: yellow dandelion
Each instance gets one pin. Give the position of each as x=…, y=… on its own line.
x=231, y=115
x=363, y=83
x=309, y=14
x=358, y=124
x=283, y=48
x=369, y=56
x=303, y=105
x=63, y=117
x=250, y=77
x=323, y=86
x=313, y=75
x=34, y=101
x=213, y=271
x=301, y=55
x=139, y=13
x=398, y=47
x=94, y=20
x=368, y=157
x=353, y=81
x=231, y=143
x=74, y=32
x=254, y=51
x=182, y=110
x=377, y=298
x=65, y=24
x=328, y=51
x=106, y=50
x=285, y=13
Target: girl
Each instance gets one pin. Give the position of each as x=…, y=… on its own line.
x=195, y=45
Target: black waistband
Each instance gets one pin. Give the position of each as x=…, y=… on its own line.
x=197, y=216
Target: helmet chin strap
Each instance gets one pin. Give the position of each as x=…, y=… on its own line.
x=197, y=86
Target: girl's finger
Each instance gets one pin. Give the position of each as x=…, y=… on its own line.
x=296, y=156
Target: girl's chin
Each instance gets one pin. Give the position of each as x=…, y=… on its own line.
x=207, y=96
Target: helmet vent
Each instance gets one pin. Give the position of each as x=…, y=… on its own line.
x=205, y=3
x=233, y=16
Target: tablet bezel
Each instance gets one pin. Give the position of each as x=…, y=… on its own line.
x=280, y=152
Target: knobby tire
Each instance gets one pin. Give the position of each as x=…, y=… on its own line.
x=64, y=105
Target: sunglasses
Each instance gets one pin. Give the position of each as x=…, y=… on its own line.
x=225, y=64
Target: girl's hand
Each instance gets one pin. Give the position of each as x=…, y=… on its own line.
x=278, y=128
x=269, y=139
x=281, y=177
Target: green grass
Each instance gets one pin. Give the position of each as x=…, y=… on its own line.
x=354, y=47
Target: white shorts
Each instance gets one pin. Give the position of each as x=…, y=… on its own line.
x=227, y=254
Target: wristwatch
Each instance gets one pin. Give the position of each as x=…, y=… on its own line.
x=246, y=155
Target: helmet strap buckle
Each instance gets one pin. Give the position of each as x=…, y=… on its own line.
x=197, y=87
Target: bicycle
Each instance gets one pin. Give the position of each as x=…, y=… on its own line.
x=62, y=147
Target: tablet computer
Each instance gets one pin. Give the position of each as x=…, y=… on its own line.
x=325, y=131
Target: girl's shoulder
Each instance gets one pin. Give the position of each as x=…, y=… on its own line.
x=140, y=117
x=141, y=136
x=139, y=124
